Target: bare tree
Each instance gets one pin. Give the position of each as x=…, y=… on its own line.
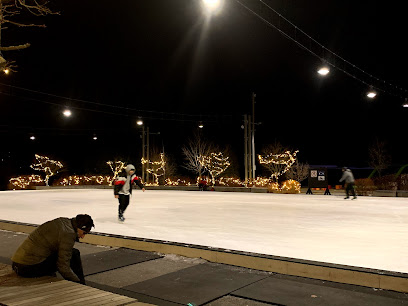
x=215, y=164
x=156, y=168
x=275, y=157
x=49, y=166
x=298, y=171
x=196, y=147
x=379, y=158
x=116, y=167
x=10, y=10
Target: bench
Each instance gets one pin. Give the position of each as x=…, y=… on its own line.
x=49, y=290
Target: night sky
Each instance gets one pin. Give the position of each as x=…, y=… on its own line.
x=112, y=62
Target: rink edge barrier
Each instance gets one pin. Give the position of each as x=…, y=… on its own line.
x=372, y=278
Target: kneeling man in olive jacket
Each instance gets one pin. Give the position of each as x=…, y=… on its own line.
x=50, y=248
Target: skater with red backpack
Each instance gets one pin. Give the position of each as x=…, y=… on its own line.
x=123, y=188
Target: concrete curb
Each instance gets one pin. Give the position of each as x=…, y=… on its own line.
x=381, y=279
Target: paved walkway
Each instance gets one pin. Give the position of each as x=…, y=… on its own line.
x=174, y=280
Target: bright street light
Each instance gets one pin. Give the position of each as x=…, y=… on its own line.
x=371, y=94
x=67, y=113
x=323, y=71
x=212, y=6
x=139, y=122
x=32, y=137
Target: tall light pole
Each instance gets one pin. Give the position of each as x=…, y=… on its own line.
x=249, y=144
x=145, y=153
x=253, y=136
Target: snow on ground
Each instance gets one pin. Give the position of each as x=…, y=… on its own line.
x=370, y=232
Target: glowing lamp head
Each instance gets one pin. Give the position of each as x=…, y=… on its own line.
x=67, y=113
x=95, y=138
x=32, y=137
x=323, y=71
x=405, y=105
x=371, y=94
x=6, y=71
x=212, y=6
x=139, y=122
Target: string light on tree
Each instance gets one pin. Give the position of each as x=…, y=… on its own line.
x=281, y=163
x=156, y=168
x=24, y=181
x=215, y=164
x=116, y=167
x=49, y=166
x=85, y=180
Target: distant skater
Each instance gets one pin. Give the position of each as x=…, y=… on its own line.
x=123, y=188
x=203, y=185
x=348, y=177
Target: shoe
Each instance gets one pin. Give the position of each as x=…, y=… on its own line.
x=354, y=198
x=347, y=198
x=121, y=218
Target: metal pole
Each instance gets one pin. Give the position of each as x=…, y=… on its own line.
x=147, y=155
x=249, y=148
x=246, y=147
x=143, y=155
x=253, y=135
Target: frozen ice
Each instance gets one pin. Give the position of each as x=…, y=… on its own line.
x=370, y=232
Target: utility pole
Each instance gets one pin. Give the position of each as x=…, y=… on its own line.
x=253, y=136
x=145, y=154
x=246, y=151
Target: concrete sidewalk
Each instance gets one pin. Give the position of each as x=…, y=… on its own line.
x=175, y=280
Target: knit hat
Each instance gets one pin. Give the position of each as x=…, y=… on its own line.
x=130, y=167
x=84, y=222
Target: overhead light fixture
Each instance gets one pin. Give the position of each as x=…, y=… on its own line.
x=371, y=94
x=323, y=70
x=405, y=103
x=32, y=137
x=139, y=122
x=212, y=6
x=200, y=125
x=94, y=137
x=67, y=113
x=6, y=70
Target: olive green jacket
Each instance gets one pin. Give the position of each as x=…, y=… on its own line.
x=55, y=236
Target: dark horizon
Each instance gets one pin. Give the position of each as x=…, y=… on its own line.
x=160, y=61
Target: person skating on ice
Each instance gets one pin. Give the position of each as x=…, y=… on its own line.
x=348, y=177
x=123, y=188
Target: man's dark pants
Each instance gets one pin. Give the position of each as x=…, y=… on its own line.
x=49, y=267
x=350, y=187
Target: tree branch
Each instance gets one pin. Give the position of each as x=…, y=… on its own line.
x=24, y=25
x=15, y=47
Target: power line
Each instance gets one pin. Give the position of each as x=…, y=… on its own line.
x=274, y=19
x=145, y=114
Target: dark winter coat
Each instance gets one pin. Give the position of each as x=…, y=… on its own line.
x=55, y=236
x=121, y=181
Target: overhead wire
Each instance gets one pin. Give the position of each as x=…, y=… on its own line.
x=374, y=81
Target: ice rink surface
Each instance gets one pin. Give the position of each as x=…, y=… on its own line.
x=370, y=232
